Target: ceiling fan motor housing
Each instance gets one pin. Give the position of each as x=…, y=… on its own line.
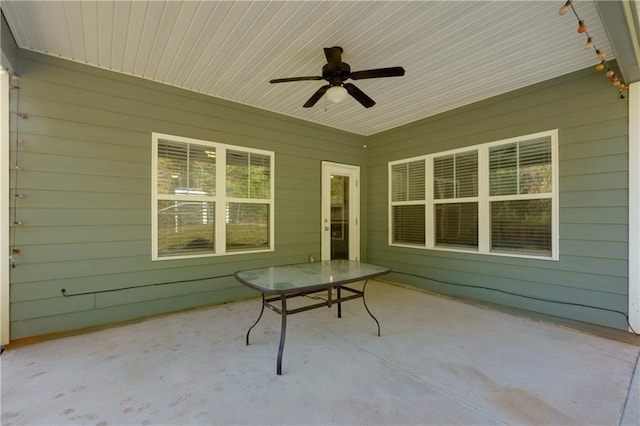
x=335, y=74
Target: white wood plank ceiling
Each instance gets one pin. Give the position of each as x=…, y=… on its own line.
x=454, y=52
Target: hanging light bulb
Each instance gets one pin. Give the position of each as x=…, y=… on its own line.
x=589, y=44
x=336, y=94
x=602, y=66
x=565, y=9
x=582, y=27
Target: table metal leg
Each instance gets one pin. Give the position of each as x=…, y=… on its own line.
x=283, y=330
x=339, y=303
x=254, y=324
x=367, y=308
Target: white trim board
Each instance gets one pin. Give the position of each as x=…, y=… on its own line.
x=634, y=206
x=4, y=208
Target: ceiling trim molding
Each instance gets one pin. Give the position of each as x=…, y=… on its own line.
x=621, y=23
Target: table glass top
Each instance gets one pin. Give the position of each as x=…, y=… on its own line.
x=281, y=279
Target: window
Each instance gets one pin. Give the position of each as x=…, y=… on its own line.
x=210, y=198
x=408, y=202
x=497, y=198
x=520, y=194
x=455, y=193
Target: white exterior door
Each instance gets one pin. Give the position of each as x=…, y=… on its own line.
x=340, y=211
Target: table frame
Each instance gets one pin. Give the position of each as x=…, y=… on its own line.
x=283, y=295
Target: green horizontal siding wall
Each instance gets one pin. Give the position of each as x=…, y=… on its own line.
x=85, y=171
x=593, y=196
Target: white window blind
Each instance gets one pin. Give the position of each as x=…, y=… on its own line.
x=455, y=176
x=408, y=195
x=408, y=181
x=455, y=189
x=200, y=209
x=521, y=190
x=185, y=206
x=247, y=220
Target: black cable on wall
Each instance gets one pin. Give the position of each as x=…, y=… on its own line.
x=510, y=293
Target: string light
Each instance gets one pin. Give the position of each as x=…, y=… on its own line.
x=582, y=29
x=589, y=44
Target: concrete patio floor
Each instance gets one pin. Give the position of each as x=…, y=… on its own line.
x=439, y=361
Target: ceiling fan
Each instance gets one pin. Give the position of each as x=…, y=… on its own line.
x=336, y=73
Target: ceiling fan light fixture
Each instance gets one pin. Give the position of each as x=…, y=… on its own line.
x=337, y=94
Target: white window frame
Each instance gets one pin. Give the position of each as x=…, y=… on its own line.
x=483, y=199
x=220, y=199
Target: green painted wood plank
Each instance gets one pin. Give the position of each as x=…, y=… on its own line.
x=78, y=320
x=604, y=249
x=30, y=254
x=599, y=181
x=53, y=306
x=89, y=200
x=51, y=235
x=610, y=163
x=594, y=215
x=64, y=218
x=602, y=232
x=43, y=181
x=85, y=166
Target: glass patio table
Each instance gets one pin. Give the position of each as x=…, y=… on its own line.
x=279, y=283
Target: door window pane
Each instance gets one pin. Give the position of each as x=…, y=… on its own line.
x=340, y=217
